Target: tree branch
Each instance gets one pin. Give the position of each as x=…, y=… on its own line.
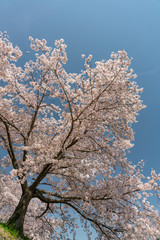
x=47, y=207
x=41, y=175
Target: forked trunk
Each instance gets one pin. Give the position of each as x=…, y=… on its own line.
x=17, y=218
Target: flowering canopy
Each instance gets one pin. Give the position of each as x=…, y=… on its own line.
x=66, y=135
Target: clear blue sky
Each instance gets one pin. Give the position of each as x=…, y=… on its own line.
x=100, y=27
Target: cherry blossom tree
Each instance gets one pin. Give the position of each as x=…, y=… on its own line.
x=65, y=138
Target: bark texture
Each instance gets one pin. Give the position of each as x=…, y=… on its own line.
x=17, y=218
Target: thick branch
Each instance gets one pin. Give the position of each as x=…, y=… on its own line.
x=35, y=115
x=3, y=119
x=58, y=195
x=41, y=175
x=11, y=150
x=44, y=199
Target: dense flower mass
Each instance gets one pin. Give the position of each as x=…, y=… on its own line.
x=65, y=138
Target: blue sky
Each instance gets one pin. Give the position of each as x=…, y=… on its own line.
x=99, y=27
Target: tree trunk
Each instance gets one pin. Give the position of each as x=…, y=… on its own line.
x=17, y=218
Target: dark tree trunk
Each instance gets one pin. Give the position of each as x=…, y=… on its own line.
x=17, y=218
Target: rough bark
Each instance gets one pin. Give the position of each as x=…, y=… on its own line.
x=17, y=218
